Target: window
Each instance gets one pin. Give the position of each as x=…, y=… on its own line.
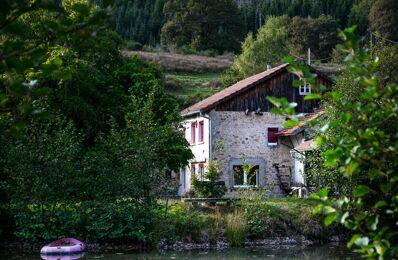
x=193, y=132
x=201, y=131
x=305, y=89
x=193, y=169
x=201, y=171
x=242, y=178
x=272, y=137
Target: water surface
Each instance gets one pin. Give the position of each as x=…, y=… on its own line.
x=329, y=251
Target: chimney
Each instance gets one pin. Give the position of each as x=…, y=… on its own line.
x=269, y=67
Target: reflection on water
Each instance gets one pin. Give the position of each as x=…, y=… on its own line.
x=62, y=257
x=329, y=251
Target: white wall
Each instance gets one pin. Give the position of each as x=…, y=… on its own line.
x=298, y=177
x=200, y=150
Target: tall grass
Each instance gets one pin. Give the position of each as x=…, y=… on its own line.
x=236, y=229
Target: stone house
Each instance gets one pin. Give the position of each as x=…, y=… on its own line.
x=236, y=128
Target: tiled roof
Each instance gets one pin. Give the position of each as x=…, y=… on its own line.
x=296, y=129
x=225, y=94
x=305, y=146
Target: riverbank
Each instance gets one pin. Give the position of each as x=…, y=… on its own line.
x=181, y=226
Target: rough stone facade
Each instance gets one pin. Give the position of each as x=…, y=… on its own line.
x=237, y=137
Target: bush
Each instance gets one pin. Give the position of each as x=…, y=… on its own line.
x=212, y=187
x=258, y=219
x=132, y=45
x=182, y=223
x=90, y=220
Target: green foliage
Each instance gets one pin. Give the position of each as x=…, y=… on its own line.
x=29, y=31
x=387, y=66
x=363, y=141
x=318, y=34
x=210, y=187
x=370, y=211
x=96, y=221
x=202, y=25
x=383, y=18
x=236, y=229
x=269, y=46
x=255, y=12
x=256, y=213
x=318, y=176
x=278, y=37
x=359, y=15
x=109, y=135
x=182, y=222
x=132, y=45
x=139, y=20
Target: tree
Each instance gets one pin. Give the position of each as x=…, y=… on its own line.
x=29, y=30
x=363, y=141
x=318, y=34
x=359, y=15
x=202, y=25
x=383, y=19
x=279, y=37
x=139, y=20
x=210, y=187
x=267, y=48
x=109, y=134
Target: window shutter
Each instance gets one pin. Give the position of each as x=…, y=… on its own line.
x=272, y=137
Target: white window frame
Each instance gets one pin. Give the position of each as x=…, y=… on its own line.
x=245, y=185
x=201, y=172
x=305, y=89
x=194, y=137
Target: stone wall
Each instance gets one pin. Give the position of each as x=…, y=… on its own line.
x=236, y=136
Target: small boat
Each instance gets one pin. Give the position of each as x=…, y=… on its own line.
x=65, y=246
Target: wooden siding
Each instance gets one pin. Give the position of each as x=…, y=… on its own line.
x=278, y=86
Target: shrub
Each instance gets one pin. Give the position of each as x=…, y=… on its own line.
x=182, y=222
x=211, y=187
x=91, y=220
x=236, y=229
x=48, y=222
x=258, y=220
x=133, y=45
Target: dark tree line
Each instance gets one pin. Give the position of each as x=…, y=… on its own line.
x=218, y=24
x=139, y=20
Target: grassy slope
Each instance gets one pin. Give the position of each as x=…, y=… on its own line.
x=189, y=88
x=189, y=78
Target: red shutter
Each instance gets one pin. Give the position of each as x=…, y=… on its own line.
x=201, y=131
x=272, y=137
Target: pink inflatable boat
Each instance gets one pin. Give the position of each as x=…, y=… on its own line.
x=65, y=246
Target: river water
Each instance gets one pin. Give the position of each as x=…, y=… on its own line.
x=329, y=251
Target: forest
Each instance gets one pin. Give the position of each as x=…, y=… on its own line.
x=89, y=136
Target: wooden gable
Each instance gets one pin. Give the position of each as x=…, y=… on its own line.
x=280, y=85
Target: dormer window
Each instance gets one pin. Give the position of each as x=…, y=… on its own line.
x=305, y=89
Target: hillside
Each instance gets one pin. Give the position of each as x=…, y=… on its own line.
x=188, y=78
x=185, y=63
